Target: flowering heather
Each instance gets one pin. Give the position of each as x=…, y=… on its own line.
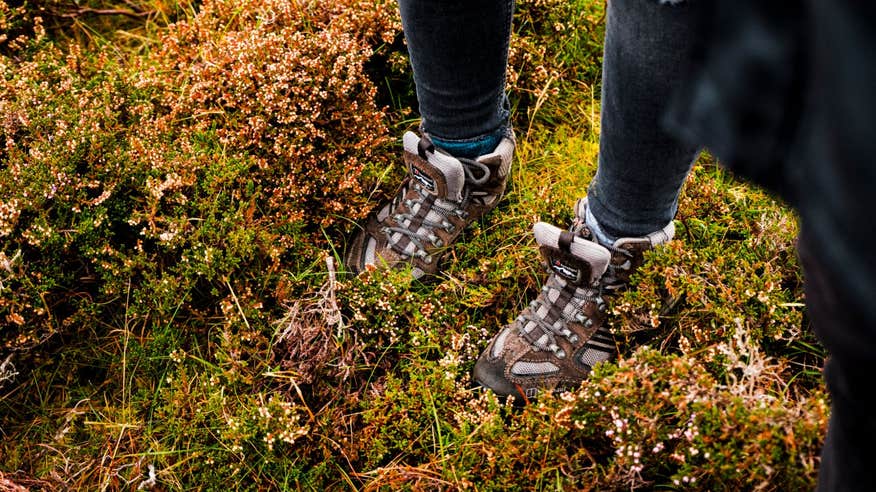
x=176, y=185
x=131, y=168
x=281, y=84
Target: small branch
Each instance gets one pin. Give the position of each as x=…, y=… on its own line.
x=7, y=370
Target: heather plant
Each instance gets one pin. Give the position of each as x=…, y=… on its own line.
x=62, y=166
x=712, y=409
x=265, y=146
x=175, y=190
x=172, y=190
x=733, y=272
x=667, y=419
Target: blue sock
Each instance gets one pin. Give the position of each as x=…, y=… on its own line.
x=469, y=148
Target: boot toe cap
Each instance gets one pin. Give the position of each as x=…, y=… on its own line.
x=490, y=374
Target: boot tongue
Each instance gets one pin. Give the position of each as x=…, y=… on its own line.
x=573, y=258
x=499, y=160
x=438, y=173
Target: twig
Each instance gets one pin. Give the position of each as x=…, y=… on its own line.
x=150, y=481
x=237, y=303
x=7, y=370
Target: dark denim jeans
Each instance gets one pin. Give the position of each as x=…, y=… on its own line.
x=459, y=51
x=648, y=49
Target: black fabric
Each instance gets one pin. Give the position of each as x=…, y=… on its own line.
x=848, y=454
x=784, y=94
x=744, y=96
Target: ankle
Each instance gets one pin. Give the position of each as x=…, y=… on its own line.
x=470, y=148
x=601, y=236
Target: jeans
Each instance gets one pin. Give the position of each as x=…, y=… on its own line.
x=459, y=51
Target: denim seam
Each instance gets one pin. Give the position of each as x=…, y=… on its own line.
x=503, y=103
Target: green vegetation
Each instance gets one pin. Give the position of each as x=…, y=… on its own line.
x=177, y=182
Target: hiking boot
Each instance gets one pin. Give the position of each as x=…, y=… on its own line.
x=554, y=344
x=441, y=195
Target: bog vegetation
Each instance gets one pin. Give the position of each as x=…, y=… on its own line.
x=177, y=183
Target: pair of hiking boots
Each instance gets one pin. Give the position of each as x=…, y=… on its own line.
x=555, y=342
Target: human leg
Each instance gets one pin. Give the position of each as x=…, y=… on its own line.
x=459, y=54
x=648, y=48
x=458, y=168
x=556, y=341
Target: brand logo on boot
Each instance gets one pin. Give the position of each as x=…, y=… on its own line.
x=423, y=178
x=566, y=271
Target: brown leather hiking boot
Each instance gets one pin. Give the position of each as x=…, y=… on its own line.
x=554, y=344
x=440, y=197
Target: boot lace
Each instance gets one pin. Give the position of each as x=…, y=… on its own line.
x=567, y=306
x=423, y=236
x=617, y=276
